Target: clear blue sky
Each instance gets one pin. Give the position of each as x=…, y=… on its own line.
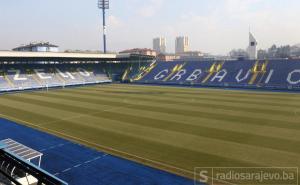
x=214, y=26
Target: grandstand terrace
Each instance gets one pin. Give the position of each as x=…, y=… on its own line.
x=264, y=74
x=181, y=127
x=34, y=70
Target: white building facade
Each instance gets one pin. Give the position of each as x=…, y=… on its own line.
x=182, y=45
x=252, y=48
x=160, y=44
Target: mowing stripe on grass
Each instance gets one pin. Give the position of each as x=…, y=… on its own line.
x=244, y=138
x=201, y=112
x=160, y=135
x=180, y=127
x=167, y=118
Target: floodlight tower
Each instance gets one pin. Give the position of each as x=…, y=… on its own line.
x=103, y=5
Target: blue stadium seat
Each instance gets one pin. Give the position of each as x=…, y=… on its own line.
x=273, y=74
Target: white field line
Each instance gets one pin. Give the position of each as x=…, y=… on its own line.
x=68, y=169
x=83, y=163
x=54, y=146
x=192, y=173
x=102, y=146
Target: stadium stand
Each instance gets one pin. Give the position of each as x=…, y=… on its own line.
x=136, y=71
x=22, y=77
x=273, y=74
x=4, y=85
x=33, y=70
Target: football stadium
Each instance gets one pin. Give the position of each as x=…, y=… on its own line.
x=130, y=118
x=145, y=122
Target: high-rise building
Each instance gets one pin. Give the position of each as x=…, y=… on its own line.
x=160, y=44
x=182, y=45
x=252, y=47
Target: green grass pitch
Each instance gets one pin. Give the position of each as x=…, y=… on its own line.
x=171, y=128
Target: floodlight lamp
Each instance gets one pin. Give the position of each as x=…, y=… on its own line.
x=103, y=4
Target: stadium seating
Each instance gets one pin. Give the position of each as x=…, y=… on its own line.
x=16, y=77
x=136, y=71
x=4, y=85
x=273, y=74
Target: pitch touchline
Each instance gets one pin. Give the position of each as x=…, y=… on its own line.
x=98, y=145
x=52, y=147
x=105, y=147
x=80, y=164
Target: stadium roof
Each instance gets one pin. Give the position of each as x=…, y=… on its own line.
x=20, y=150
x=56, y=56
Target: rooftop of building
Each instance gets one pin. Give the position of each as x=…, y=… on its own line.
x=136, y=50
x=37, y=44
